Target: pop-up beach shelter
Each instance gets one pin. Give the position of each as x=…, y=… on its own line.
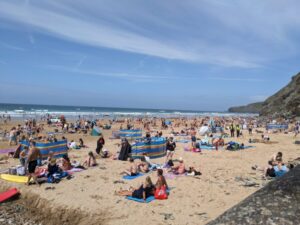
x=96, y=131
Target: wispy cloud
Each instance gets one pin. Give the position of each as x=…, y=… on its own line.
x=126, y=76
x=236, y=79
x=31, y=39
x=126, y=34
x=83, y=58
x=10, y=46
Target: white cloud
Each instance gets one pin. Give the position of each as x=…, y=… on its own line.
x=69, y=23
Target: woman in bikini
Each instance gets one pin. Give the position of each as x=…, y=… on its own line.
x=143, y=192
x=161, y=180
x=133, y=169
x=90, y=160
x=144, y=165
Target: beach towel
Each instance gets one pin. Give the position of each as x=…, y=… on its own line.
x=127, y=177
x=173, y=176
x=183, y=141
x=74, y=170
x=246, y=147
x=149, y=199
x=207, y=147
x=6, y=151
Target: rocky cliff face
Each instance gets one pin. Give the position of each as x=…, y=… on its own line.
x=285, y=102
x=251, y=108
x=276, y=203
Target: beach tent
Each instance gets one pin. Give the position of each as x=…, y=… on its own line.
x=155, y=148
x=58, y=148
x=277, y=126
x=203, y=130
x=96, y=131
x=130, y=133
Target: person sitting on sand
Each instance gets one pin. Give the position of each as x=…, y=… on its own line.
x=277, y=157
x=90, y=161
x=143, y=192
x=143, y=166
x=133, y=169
x=161, y=180
x=180, y=169
x=52, y=167
x=105, y=153
x=50, y=156
x=65, y=163
x=81, y=143
x=193, y=172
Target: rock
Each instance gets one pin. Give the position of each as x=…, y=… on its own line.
x=276, y=203
x=285, y=102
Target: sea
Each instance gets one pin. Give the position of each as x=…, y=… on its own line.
x=91, y=112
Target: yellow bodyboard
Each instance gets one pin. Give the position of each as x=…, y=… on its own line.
x=14, y=178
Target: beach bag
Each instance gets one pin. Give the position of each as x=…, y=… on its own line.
x=21, y=170
x=161, y=193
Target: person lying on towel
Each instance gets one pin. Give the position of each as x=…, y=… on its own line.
x=143, y=192
x=179, y=169
x=133, y=169
x=143, y=166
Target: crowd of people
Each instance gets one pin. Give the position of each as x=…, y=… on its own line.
x=30, y=156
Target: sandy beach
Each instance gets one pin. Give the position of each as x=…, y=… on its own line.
x=193, y=200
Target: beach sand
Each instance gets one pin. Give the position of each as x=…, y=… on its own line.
x=193, y=200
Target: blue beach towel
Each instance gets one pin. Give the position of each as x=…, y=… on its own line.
x=127, y=177
x=183, y=141
x=246, y=147
x=207, y=147
x=149, y=199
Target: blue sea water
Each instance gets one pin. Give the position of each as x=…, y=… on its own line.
x=31, y=110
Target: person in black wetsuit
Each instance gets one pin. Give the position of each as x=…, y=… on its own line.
x=143, y=192
x=125, y=150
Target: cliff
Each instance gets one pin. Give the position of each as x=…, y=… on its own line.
x=276, y=203
x=286, y=102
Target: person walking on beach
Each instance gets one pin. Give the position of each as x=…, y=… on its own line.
x=297, y=129
x=232, y=130
x=100, y=144
x=171, y=145
x=238, y=130
x=32, y=161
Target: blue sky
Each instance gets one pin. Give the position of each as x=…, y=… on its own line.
x=172, y=54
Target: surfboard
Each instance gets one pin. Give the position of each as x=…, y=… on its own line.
x=14, y=178
x=8, y=194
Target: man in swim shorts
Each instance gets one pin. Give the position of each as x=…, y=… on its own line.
x=32, y=161
x=193, y=137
